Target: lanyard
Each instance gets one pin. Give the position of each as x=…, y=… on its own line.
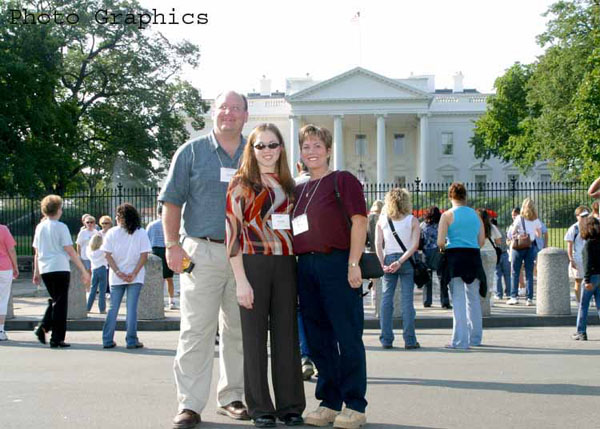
x=311, y=197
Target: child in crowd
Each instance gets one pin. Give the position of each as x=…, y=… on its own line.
x=99, y=265
x=590, y=231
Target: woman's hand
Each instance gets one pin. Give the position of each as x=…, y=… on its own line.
x=36, y=279
x=393, y=267
x=16, y=273
x=354, y=277
x=85, y=278
x=245, y=294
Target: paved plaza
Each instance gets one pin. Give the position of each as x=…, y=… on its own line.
x=520, y=378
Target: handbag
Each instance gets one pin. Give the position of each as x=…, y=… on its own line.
x=521, y=243
x=421, y=272
x=433, y=260
x=498, y=251
x=370, y=267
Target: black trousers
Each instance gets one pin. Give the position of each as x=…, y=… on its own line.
x=55, y=317
x=273, y=280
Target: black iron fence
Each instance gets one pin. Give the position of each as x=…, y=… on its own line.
x=556, y=202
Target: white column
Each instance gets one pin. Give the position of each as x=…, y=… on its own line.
x=338, y=142
x=294, y=154
x=381, y=157
x=423, y=148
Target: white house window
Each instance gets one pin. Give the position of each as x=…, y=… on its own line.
x=448, y=178
x=447, y=143
x=360, y=143
x=400, y=181
x=545, y=178
x=480, y=181
x=399, y=144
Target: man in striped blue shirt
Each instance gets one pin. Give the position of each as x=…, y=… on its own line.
x=157, y=241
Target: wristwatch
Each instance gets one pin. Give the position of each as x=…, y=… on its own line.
x=170, y=244
x=353, y=264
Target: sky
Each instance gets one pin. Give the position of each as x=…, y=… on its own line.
x=245, y=40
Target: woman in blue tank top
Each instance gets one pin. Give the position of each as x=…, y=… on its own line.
x=461, y=235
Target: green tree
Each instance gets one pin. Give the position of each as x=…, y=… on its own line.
x=532, y=117
x=77, y=98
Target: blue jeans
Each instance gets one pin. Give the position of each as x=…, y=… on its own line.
x=519, y=257
x=467, y=324
x=503, y=272
x=406, y=276
x=333, y=316
x=99, y=280
x=116, y=296
x=584, y=305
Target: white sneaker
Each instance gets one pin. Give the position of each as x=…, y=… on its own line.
x=513, y=301
x=529, y=302
x=172, y=306
x=3, y=336
x=322, y=416
x=350, y=419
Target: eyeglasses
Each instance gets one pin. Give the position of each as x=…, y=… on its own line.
x=261, y=146
x=89, y=221
x=105, y=223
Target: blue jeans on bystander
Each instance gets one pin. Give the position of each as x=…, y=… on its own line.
x=116, y=296
x=99, y=281
x=584, y=304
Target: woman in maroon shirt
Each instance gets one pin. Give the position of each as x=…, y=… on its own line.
x=329, y=281
x=259, y=245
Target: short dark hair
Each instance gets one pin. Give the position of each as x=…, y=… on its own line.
x=433, y=215
x=590, y=228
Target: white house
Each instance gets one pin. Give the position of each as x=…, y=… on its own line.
x=386, y=130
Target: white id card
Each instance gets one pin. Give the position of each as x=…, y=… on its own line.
x=227, y=174
x=280, y=221
x=300, y=224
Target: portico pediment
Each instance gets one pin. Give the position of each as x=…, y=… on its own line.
x=358, y=84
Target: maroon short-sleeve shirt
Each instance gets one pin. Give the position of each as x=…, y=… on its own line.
x=328, y=227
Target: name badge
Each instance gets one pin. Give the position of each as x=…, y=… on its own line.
x=280, y=221
x=300, y=224
x=227, y=174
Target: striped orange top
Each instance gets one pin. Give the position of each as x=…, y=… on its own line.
x=248, y=219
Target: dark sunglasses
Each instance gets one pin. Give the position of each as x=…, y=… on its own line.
x=90, y=221
x=261, y=146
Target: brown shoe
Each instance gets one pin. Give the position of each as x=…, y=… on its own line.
x=186, y=419
x=235, y=410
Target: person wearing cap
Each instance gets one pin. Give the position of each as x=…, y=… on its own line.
x=575, y=244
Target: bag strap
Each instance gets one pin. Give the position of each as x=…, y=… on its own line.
x=523, y=223
x=391, y=224
x=338, y=199
x=493, y=245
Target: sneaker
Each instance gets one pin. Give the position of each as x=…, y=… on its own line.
x=350, y=419
x=579, y=336
x=3, y=336
x=322, y=416
x=522, y=292
x=308, y=369
x=172, y=306
x=497, y=297
x=512, y=301
x=529, y=302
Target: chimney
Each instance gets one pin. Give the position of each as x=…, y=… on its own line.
x=265, y=86
x=458, y=82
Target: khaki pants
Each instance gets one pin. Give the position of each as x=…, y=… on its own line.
x=208, y=294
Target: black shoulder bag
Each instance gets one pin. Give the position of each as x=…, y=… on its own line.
x=369, y=264
x=421, y=273
x=497, y=249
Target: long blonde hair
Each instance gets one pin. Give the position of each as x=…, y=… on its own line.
x=95, y=242
x=528, y=210
x=397, y=203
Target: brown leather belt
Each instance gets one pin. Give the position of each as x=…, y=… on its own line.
x=212, y=240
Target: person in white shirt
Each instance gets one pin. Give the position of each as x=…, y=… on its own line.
x=525, y=224
x=575, y=248
x=83, y=238
x=126, y=247
x=99, y=264
x=53, y=248
x=397, y=266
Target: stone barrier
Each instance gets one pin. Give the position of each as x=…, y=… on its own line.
x=151, y=305
x=10, y=311
x=553, y=291
x=77, y=300
x=488, y=259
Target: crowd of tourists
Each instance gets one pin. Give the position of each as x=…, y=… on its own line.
x=268, y=260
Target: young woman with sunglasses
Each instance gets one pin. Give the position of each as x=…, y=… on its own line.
x=259, y=245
